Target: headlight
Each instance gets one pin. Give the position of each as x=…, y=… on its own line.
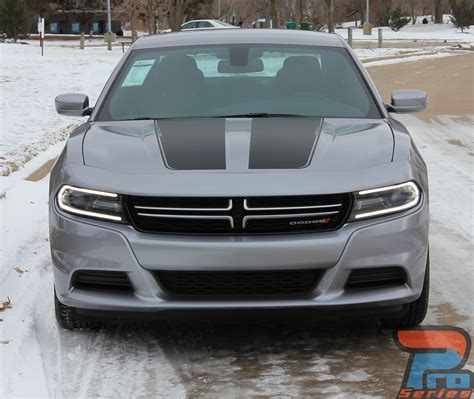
x=91, y=203
x=385, y=200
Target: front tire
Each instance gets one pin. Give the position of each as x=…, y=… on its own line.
x=417, y=310
x=67, y=318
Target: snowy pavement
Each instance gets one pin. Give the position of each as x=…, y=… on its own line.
x=256, y=355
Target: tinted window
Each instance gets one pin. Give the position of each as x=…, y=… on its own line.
x=188, y=25
x=235, y=80
x=204, y=24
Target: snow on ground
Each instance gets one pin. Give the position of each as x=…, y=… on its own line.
x=40, y=360
x=395, y=55
x=419, y=21
x=28, y=85
x=430, y=32
x=399, y=58
x=365, y=53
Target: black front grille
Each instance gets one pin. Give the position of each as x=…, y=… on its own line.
x=97, y=280
x=234, y=216
x=238, y=283
x=372, y=278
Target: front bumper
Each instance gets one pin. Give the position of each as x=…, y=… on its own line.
x=82, y=244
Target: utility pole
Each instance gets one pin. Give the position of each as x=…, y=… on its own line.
x=367, y=25
x=109, y=17
x=300, y=9
x=331, y=17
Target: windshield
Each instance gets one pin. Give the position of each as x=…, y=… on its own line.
x=238, y=80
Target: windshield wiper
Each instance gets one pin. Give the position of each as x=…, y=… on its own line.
x=140, y=118
x=263, y=115
x=159, y=118
x=155, y=118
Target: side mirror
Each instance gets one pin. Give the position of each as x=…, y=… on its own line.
x=72, y=104
x=405, y=101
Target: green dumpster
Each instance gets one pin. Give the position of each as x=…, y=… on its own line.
x=306, y=26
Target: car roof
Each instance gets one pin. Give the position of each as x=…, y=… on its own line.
x=198, y=20
x=239, y=36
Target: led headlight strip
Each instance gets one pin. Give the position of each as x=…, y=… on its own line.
x=410, y=189
x=66, y=191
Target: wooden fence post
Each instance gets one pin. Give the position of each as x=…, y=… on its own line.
x=108, y=39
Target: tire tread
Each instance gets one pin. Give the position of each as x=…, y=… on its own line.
x=66, y=317
x=417, y=310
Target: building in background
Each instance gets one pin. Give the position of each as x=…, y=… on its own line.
x=75, y=22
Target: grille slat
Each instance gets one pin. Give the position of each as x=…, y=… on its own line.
x=238, y=283
x=178, y=209
x=238, y=216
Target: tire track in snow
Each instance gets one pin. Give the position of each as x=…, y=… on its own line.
x=42, y=360
x=451, y=178
x=287, y=355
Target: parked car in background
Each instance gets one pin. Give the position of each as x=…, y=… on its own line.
x=253, y=169
x=204, y=24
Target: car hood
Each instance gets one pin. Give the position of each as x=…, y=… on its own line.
x=237, y=145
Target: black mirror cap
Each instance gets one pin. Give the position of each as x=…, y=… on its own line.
x=72, y=104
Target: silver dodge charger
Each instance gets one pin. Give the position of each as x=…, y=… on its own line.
x=239, y=170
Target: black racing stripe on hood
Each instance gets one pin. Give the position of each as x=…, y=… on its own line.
x=197, y=144
x=283, y=143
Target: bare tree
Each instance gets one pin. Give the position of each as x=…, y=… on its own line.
x=301, y=8
x=438, y=14
x=152, y=9
x=290, y=10
x=330, y=13
x=273, y=13
x=175, y=12
x=137, y=12
x=351, y=10
x=380, y=10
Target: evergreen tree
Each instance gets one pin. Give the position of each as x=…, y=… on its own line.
x=15, y=20
x=463, y=14
x=397, y=20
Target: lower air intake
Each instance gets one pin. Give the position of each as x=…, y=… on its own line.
x=373, y=278
x=101, y=281
x=238, y=283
